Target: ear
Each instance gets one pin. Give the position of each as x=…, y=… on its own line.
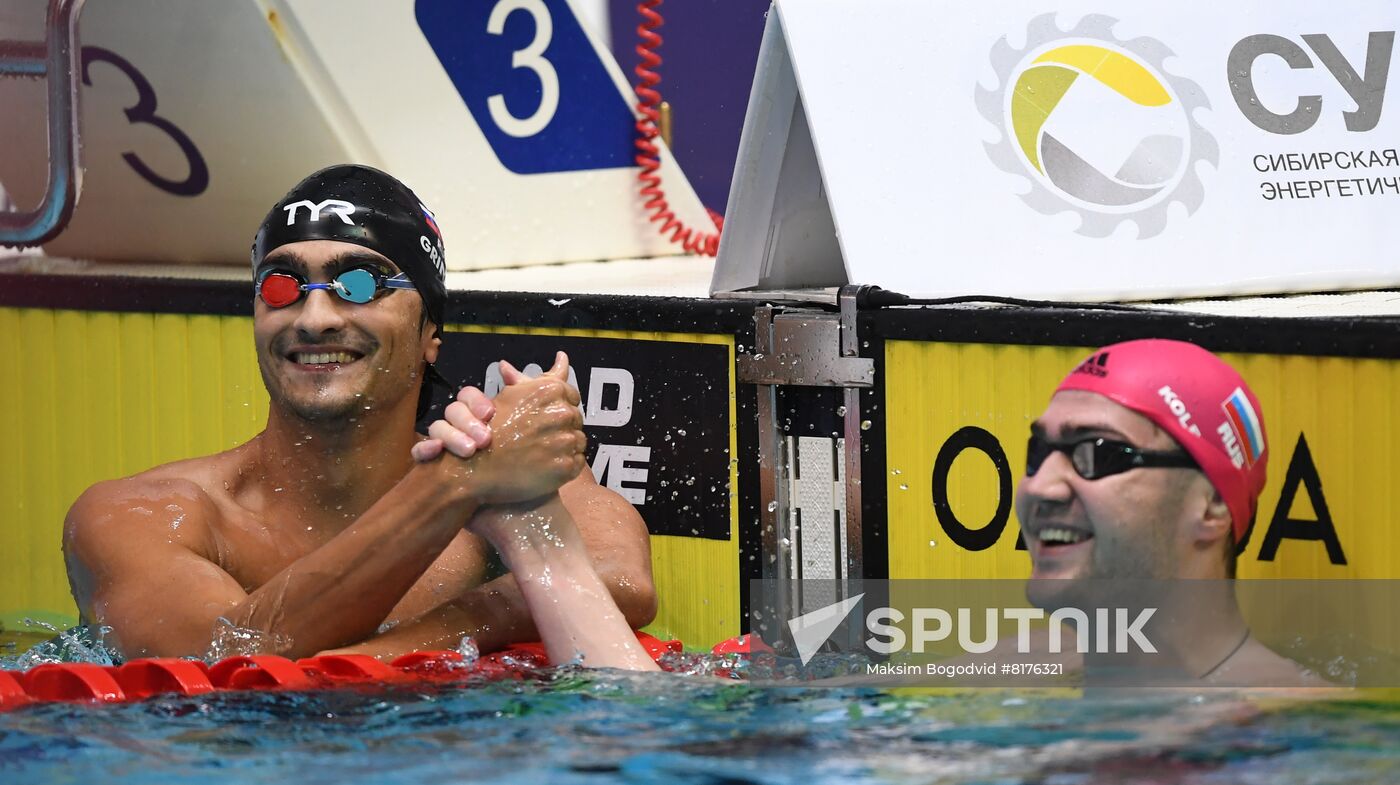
x=434, y=342
x=1216, y=521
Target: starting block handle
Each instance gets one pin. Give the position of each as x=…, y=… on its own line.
x=59, y=61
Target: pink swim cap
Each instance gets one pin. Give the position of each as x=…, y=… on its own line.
x=1197, y=398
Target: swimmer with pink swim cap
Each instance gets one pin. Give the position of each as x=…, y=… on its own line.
x=1200, y=401
x=1148, y=464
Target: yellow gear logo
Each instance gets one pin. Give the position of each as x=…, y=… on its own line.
x=1097, y=125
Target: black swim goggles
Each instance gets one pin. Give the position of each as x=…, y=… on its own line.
x=359, y=285
x=1097, y=458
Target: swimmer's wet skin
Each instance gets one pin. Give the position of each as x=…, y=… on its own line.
x=322, y=531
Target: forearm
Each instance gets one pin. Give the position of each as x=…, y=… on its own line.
x=495, y=615
x=341, y=592
x=572, y=610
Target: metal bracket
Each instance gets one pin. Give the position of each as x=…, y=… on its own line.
x=853, y=426
x=60, y=60
x=806, y=348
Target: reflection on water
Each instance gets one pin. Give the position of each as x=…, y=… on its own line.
x=567, y=726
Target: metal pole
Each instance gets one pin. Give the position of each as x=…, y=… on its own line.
x=61, y=65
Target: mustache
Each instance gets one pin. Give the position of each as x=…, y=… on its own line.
x=1048, y=513
x=283, y=343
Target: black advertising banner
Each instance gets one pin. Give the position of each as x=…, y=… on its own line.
x=656, y=414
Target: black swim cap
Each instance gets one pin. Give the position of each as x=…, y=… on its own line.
x=362, y=205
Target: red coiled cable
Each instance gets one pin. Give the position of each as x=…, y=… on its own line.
x=649, y=155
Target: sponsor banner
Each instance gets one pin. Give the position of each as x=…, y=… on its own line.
x=1078, y=633
x=1082, y=149
x=959, y=451
x=657, y=416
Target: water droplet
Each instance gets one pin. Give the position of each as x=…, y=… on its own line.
x=865, y=425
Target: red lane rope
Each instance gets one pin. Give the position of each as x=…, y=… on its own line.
x=140, y=679
x=649, y=154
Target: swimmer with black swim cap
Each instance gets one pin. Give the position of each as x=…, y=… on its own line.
x=1148, y=464
x=352, y=203
x=323, y=532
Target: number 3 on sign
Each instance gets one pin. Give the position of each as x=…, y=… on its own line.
x=144, y=113
x=531, y=57
x=533, y=81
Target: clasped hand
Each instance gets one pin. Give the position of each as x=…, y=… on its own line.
x=523, y=445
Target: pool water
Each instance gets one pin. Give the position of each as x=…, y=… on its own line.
x=568, y=726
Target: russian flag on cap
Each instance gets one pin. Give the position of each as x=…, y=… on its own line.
x=1240, y=412
x=432, y=222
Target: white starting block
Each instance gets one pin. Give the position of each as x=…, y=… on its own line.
x=1069, y=149
x=506, y=116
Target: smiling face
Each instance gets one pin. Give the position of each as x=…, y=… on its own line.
x=1142, y=523
x=324, y=359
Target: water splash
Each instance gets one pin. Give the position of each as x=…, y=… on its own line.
x=230, y=640
x=82, y=643
x=469, y=650
x=723, y=666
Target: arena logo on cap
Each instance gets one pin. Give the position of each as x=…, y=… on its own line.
x=1241, y=432
x=1097, y=125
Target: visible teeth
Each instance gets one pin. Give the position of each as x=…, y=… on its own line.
x=1061, y=535
x=322, y=358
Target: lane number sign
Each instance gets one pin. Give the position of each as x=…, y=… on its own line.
x=533, y=82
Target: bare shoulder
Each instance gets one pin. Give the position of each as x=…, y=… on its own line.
x=1258, y=666
x=185, y=481
x=173, y=499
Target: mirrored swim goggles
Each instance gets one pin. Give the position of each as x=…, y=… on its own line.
x=279, y=288
x=1097, y=458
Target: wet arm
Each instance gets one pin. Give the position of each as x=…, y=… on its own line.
x=496, y=613
x=163, y=592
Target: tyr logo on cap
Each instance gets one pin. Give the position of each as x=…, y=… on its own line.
x=336, y=206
